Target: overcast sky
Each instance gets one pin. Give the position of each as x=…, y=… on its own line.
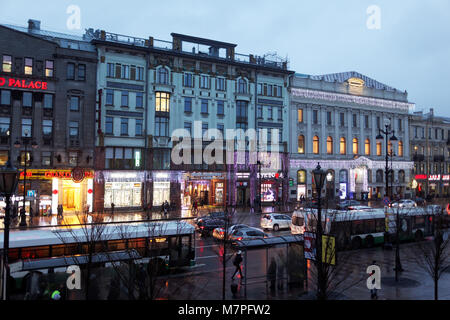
x=410, y=51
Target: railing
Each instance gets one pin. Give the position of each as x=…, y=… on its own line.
x=140, y=42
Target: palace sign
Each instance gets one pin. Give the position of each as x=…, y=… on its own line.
x=24, y=84
x=50, y=174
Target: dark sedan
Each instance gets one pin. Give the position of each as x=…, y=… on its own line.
x=207, y=226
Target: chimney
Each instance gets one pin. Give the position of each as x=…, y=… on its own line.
x=34, y=25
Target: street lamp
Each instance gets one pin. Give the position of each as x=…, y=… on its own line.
x=8, y=185
x=34, y=145
x=258, y=163
x=380, y=138
x=319, y=179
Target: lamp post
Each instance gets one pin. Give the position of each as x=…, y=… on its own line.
x=259, y=186
x=398, y=265
x=25, y=142
x=319, y=178
x=8, y=184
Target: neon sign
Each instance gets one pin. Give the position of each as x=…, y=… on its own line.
x=434, y=177
x=21, y=83
x=421, y=177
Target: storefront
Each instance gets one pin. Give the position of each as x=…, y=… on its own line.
x=270, y=186
x=46, y=189
x=207, y=188
x=123, y=188
x=343, y=182
x=243, y=188
x=446, y=185
x=161, y=188
x=301, y=184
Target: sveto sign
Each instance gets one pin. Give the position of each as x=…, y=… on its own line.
x=22, y=83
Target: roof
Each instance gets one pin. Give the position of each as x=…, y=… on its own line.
x=204, y=41
x=267, y=242
x=64, y=40
x=342, y=77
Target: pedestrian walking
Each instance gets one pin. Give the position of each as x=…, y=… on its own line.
x=272, y=273
x=165, y=208
x=237, y=263
x=60, y=212
x=112, y=208
x=195, y=207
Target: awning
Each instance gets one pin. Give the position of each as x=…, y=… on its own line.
x=29, y=265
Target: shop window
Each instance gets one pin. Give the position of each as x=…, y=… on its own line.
x=301, y=177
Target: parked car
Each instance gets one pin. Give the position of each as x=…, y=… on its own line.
x=433, y=209
x=420, y=201
x=247, y=234
x=404, y=203
x=343, y=205
x=275, y=221
x=206, y=227
x=219, y=233
x=214, y=215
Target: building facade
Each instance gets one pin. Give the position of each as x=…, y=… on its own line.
x=430, y=147
x=335, y=121
x=48, y=99
x=151, y=88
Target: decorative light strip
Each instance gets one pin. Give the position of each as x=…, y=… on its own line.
x=339, y=97
x=347, y=164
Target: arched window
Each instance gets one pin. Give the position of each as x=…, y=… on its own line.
x=163, y=75
x=330, y=145
x=367, y=147
x=242, y=86
x=379, y=176
x=316, y=145
x=343, y=146
x=301, y=144
x=400, y=148
x=355, y=146
x=379, y=147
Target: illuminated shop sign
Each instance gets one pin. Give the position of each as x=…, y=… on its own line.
x=421, y=177
x=22, y=83
x=127, y=175
x=434, y=177
x=446, y=177
x=50, y=174
x=270, y=175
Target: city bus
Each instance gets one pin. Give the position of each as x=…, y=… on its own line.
x=57, y=247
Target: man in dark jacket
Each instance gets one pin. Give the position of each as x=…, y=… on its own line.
x=237, y=263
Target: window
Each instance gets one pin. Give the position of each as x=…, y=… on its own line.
x=140, y=73
x=109, y=97
x=110, y=70
x=4, y=126
x=400, y=124
x=378, y=122
x=315, y=116
x=163, y=76
x=161, y=127
x=204, y=106
x=220, y=84
x=204, y=128
x=259, y=112
x=70, y=71
x=342, y=119
x=139, y=100
x=187, y=104
x=26, y=128
x=125, y=72
x=109, y=125
x=48, y=101
x=355, y=146
x=73, y=158
x=260, y=88
x=221, y=128
x=188, y=80
x=73, y=129
x=343, y=146
x=300, y=115
x=379, y=148
x=400, y=148
x=242, y=86
x=81, y=72
x=133, y=73
x=330, y=145
x=328, y=118
x=162, y=101
x=367, y=147
x=7, y=64
x=241, y=109
x=366, y=121
x=415, y=132
x=27, y=99
x=161, y=159
x=124, y=99
x=301, y=177
x=49, y=68
x=269, y=90
x=436, y=134
x=423, y=132
x=124, y=126
x=25, y=155
x=379, y=176
x=138, y=128
x=28, y=66
x=301, y=144
x=220, y=108
x=316, y=145
x=270, y=113
x=188, y=127
x=47, y=127
x=74, y=103
x=46, y=158
x=204, y=82
x=280, y=114
x=355, y=122
x=6, y=97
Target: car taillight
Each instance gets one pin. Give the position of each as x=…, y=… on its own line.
x=239, y=239
x=202, y=227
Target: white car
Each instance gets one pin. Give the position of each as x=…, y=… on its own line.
x=219, y=233
x=404, y=203
x=275, y=221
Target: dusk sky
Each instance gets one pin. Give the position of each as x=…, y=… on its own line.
x=410, y=51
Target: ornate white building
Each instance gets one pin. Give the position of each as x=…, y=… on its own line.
x=335, y=120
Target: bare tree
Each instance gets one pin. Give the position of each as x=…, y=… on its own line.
x=434, y=257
